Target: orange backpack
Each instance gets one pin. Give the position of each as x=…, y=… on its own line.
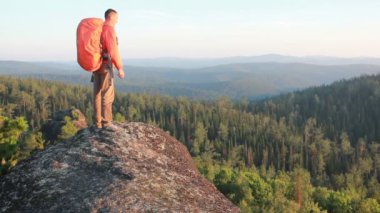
x=89, y=50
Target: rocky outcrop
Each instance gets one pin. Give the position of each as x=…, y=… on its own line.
x=137, y=168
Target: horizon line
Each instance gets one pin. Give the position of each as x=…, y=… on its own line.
x=213, y=57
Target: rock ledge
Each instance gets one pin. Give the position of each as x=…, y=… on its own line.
x=138, y=168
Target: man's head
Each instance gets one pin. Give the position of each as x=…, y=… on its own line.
x=111, y=15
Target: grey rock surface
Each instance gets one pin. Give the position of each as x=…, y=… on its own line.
x=138, y=168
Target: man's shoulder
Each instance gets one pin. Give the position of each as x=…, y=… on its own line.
x=109, y=29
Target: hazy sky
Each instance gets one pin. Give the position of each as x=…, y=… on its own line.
x=45, y=29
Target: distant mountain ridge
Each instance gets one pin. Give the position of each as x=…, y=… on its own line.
x=272, y=58
x=192, y=63
x=251, y=80
x=22, y=67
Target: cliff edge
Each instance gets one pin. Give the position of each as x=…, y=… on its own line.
x=138, y=168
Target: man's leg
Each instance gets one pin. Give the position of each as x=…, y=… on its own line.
x=97, y=118
x=108, y=96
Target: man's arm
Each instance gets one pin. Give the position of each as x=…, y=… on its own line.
x=113, y=50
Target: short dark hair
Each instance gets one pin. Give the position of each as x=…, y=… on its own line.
x=108, y=12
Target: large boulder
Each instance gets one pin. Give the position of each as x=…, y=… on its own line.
x=136, y=168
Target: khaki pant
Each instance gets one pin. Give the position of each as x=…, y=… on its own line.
x=104, y=95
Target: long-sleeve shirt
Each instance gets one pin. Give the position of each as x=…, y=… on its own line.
x=110, y=45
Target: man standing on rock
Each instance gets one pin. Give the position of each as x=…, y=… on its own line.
x=104, y=92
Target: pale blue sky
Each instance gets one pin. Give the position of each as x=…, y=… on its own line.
x=45, y=30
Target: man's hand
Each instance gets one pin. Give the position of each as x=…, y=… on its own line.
x=121, y=73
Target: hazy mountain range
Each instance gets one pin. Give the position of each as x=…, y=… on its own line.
x=262, y=76
x=270, y=58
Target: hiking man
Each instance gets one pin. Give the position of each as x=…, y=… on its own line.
x=104, y=92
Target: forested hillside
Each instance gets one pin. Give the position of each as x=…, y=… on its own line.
x=347, y=106
x=292, y=153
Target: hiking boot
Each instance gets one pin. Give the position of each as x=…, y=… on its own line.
x=111, y=127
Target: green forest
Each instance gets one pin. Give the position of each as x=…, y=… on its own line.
x=315, y=150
